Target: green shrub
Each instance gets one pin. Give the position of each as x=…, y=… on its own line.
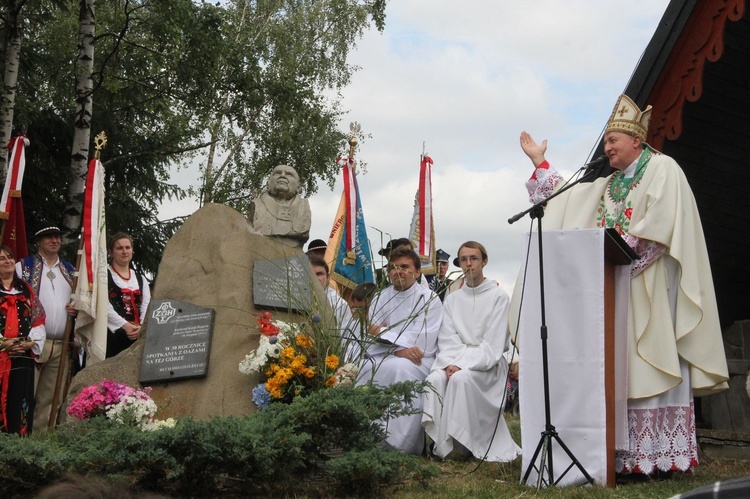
x=284, y=449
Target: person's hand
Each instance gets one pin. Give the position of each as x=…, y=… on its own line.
x=6, y=345
x=17, y=346
x=414, y=354
x=534, y=151
x=132, y=330
x=374, y=329
x=70, y=308
x=451, y=370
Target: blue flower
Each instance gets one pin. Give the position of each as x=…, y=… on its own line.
x=316, y=318
x=261, y=397
x=273, y=339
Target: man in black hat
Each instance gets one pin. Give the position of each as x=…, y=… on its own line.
x=381, y=274
x=317, y=247
x=52, y=281
x=439, y=282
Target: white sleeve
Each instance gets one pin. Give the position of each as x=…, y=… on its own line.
x=38, y=334
x=145, y=299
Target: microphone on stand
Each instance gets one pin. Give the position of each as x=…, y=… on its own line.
x=595, y=166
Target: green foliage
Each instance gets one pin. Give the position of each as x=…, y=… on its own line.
x=285, y=449
x=369, y=472
x=236, y=87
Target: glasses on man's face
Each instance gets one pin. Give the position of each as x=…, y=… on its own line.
x=467, y=259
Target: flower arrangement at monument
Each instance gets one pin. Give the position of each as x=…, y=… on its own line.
x=119, y=403
x=293, y=360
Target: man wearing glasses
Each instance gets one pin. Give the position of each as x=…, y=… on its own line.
x=404, y=321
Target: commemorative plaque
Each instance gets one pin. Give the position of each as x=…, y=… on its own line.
x=178, y=341
x=283, y=284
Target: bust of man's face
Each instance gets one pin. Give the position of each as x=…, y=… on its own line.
x=283, y=182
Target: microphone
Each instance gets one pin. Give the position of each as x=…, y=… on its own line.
x=595, y=164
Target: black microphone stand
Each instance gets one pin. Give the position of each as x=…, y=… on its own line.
x=550, y=433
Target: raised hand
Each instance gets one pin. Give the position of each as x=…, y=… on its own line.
x=534, y=151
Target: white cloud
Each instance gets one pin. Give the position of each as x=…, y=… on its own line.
x=466, y=78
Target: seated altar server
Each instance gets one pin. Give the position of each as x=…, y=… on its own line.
x=404, y=323
x=470, y=371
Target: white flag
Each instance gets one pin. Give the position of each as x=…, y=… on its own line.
x=91, y=292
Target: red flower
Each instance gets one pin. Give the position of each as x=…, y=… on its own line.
x=629, y=213
x=265, y=326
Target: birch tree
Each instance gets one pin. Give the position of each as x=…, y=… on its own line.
x=10, y=78
x=82, y=122
x=236, y=86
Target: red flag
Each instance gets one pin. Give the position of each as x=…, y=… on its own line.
x=422, y=231
x=11, y=204
x=350, y=195
x=425, y=206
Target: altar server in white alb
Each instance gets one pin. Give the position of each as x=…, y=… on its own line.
x=469, y=374
x=404, y=323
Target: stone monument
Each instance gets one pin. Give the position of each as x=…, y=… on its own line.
x=281, y=212
x=209, y=262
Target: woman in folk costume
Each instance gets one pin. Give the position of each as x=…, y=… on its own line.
x=129, y=296
x=468, y=377
x=23, y=334
x=675, y=347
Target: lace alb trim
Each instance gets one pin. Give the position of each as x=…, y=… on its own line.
x=660, y=439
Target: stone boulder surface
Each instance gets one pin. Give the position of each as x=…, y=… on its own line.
x=208, y=262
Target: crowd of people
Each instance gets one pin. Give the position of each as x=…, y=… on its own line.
x=37, y=314
x=453, y=335
x=403, y=330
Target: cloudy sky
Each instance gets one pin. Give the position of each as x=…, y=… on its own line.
x=465, y=78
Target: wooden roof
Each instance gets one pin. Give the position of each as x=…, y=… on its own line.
x=694, y=73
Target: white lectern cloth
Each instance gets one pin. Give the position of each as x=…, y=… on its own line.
x=574, y=302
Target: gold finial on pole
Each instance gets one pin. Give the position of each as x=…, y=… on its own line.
x=100, y=142
x=355, y=129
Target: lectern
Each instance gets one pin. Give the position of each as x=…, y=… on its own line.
x=587, y=282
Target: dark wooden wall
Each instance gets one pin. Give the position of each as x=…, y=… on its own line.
x=714, y=152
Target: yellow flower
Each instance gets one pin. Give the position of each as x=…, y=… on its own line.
x=287, y=353
x=310, y=372
x=332, y=361
x=285, y=374
x=272, y=370
x=299, y=364
x=274, y=389
x=331, y=381
x=304, y=341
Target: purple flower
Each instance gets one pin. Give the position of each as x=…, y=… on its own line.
x=273, y=339
x=261, y=397
x=316, y=318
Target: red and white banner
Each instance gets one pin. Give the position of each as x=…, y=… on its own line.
x=425, y=205
x=11, y=204
x=421, y=232
x=350, y=196
x=91, y=292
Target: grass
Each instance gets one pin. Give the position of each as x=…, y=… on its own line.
x=469, y=479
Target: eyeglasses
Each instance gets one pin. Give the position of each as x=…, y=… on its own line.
x=472, y=258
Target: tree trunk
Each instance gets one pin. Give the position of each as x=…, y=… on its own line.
x=82, y=133
x=12, y=54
